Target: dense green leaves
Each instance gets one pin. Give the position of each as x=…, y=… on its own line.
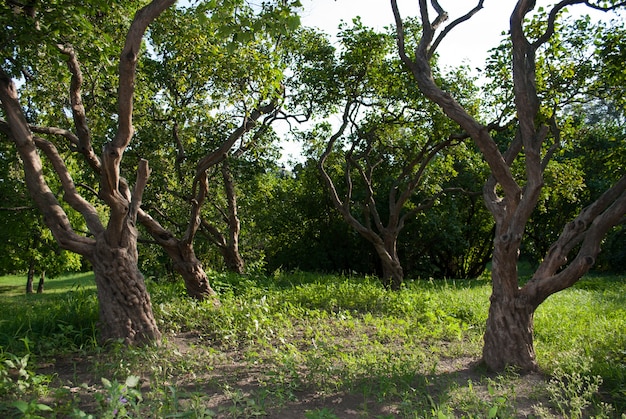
x=208, y=64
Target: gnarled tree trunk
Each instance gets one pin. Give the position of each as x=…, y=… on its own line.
x=183, y=256
x=125, y=309
x=511, y=201
x=191, y=270
x=393, y=274
x=508, y=339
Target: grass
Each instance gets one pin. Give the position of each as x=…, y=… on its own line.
x=303, y=345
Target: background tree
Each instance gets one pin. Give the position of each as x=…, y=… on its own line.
x=213, y=81
x=512, y=197
x=392, y=144
x=27, y=245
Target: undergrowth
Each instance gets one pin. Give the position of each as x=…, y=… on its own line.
x=277, y=342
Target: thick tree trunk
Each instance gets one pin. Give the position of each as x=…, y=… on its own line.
x=125, y=309
x=42, y=280
x=508, y=340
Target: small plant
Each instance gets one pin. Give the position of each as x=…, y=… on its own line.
x=572, y=393
x=242, y=404
x=119, y=399
x=32, y=409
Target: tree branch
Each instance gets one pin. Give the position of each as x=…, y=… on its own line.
x=54, y=215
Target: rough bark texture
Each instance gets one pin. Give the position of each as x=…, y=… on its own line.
x=125, y=310
x=183, y=256
x=509, y=334
x=189, y=267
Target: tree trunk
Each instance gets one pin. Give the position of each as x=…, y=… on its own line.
x=509, y=335
x=232, y=258
x=509, y=331
x=30, y=276
x=393, y=274
x=42, y=279
x=190, y=268
x=125, y=309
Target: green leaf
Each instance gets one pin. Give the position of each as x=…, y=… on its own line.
x=43, y=407
x=293, y=22
x=20, y=405
x=132, y=381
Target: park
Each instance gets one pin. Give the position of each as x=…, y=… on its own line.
x=449, y=242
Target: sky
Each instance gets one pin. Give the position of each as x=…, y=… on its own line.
x=469, y=42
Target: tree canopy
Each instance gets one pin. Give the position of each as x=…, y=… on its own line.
x=147, y=136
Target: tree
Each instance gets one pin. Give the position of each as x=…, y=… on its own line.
x=512, y=196
x=125, y=309
x=392, y=144
x=216, y=82
x=273, y=19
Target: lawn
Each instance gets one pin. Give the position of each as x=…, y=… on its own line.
x=303, y=345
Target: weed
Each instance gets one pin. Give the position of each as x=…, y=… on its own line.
x=572, y=393
x=119, y=399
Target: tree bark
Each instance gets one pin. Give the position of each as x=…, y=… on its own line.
x=232, y=258
x=393, y=274
x=125, y=309
x=42, y=280
x=183, y=256
x=508, y=339
x=191, y=270
x=30, y=276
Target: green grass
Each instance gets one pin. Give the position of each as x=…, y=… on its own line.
x=11, y=285
x=314, y=346
x=60, y=319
